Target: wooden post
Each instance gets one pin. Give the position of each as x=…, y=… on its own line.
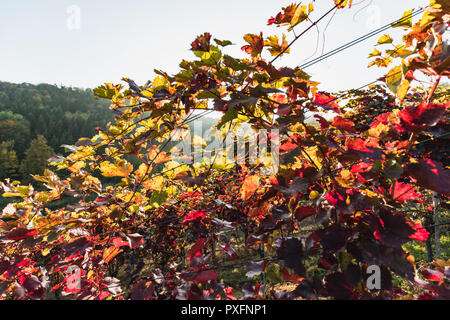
x=429, y=228
x=213, y=251
x=437, y=234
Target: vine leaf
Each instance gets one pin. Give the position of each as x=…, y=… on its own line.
x=119, y=169
x=250, y=185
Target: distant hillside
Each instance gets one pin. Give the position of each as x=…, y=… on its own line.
x=60, y=114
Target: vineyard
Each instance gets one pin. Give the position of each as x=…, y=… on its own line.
x=305, y=194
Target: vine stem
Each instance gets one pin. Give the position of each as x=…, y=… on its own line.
x=413, y=136
x=306, y=30
x=433, y=89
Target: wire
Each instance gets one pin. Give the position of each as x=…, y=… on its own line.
x=360, y=39
x=346, y=46
x=305, y=31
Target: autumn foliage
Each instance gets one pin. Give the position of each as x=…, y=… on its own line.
x=338, y=201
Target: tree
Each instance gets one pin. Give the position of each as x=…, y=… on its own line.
x=36, y=157
x=17, y=131
x=339, y=201
x=9, y=164
x=57, y=113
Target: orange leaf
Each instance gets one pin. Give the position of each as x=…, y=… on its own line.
x=251, y=183
x=110, y=253
x=291, y=277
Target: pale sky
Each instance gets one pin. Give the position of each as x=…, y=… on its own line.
x=41, y=43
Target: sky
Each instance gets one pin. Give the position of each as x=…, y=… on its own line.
x=85, y=43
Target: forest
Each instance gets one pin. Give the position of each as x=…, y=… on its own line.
x=40, y=119
x=104, y=204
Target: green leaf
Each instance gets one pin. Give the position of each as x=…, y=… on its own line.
x=208, y=94
x=273, y=273
x=393, y=170
x=107, y=91
x=234, y=64
x=230, y=115
x=274, y=47
x=158, y=198
x=211, y=57
x=223, y=43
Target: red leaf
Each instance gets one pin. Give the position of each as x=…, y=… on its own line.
x=119, y=242
x=194, y=215
x=249, y=186
x=288, y=146
x=431, y=175
x=103, y=295
x=326, y=101
x=201, y=43
x=333, y=197
x=304, y=212
x=344, y=124
x=395, y=228
x=284, y=17
x=361, y=147
x=433, y=275
x=205, y=276
x=324, y=124
x=228, y=292
x=418, y=118
x=272, y=20
x=230, y=251
x=410, y=75
x=136, y=240
x=21, y=233
x=143, y=290
x=291, y=277
x=197, y=247
x=421, y=233
x=403, y=192
x=256, y=44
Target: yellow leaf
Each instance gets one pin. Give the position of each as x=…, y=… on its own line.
x=155, y=183
x=375, y=53
x=158, y=157
x=405, y=21
x=313, y=153
x=343, y=4
x=442, y=263
x=403, y=90
x=380, y=130
x=45, y=251
x=90, y=274
x=385, y=39
x=394, y=78
x=346, y=179
x=11, y=194
x=159, y=82
x=313, y=195
x=76, y=166
x=119, y=169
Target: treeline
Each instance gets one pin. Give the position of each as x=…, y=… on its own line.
x=35, y=120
